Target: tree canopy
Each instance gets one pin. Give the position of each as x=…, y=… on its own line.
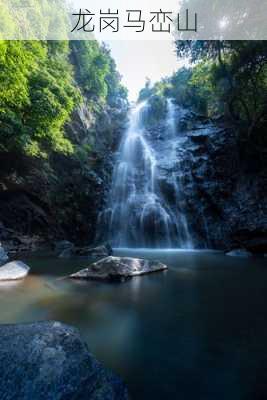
x=42, y=82
x=224, y=78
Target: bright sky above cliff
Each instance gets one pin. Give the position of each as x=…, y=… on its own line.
x=137, y=60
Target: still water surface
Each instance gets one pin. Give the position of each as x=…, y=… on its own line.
x=197, y=331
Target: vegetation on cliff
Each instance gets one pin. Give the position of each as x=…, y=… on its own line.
x=40, y=88
x=62, y=106
x=224, y=79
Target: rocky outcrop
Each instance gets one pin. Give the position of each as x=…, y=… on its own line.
x=223, y=195
x=225, y=198
x=49, y=360
x=48, y=201
x=118, y=269
x=14, y=270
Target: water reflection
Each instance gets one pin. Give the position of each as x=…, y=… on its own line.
x=198, y=328
x=9, y=285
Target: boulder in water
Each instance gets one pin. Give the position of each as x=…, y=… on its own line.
x=13, y=270
x=67, y=253
x=49, y=360
x=118, y=269
x=239, y=253
x=63, y=245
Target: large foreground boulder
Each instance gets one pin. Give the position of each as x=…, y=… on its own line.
x=49, y=361
x=118, y=269
x=13, y=270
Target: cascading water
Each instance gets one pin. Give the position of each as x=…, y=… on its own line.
x=139, y=215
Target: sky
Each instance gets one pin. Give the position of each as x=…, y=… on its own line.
x=138, y=60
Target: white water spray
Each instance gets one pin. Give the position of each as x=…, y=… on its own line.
x=138, y=214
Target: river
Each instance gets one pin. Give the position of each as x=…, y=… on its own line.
x=196, y=331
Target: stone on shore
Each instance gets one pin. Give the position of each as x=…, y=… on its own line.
x=118, y=269
x=13, y=270
x=49, y=360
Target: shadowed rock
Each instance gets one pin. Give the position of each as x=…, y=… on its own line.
x=13, y=270
x=99, y=251
x=118, y=269
x=63, y=245
x=48, y=360
x=3, y=255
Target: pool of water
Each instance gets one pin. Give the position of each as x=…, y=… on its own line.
x=196, y=331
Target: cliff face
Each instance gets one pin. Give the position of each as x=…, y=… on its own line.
x=84, y=184
x=227, y=202
x=223, y=196
x=60, y=197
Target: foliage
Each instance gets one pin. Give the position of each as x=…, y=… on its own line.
x=33, y=19
x=116, y=93
x=39, y=92
x=225, y=78
x=96, y=72
x=147, y=91
x=228, y=18
x=37, y=96
x=156, y=97
x=233, y=81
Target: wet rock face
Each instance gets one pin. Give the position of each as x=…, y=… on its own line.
x=215, y=197
x=49, y=360
x=118, y=269
x=223, y=198
x=230, y=200
x=63, y=197
x=14, y=270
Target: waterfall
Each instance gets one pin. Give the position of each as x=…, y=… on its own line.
x=138, y=213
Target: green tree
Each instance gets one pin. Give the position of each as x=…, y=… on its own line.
x=237, y=77
x=37, y=96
